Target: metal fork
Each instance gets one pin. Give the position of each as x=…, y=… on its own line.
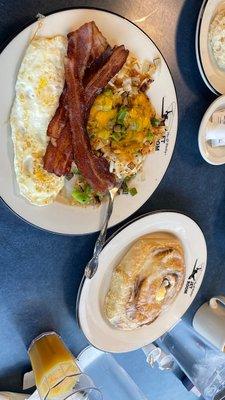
x=92, y=265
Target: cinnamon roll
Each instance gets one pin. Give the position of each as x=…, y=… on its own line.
x=146, y=281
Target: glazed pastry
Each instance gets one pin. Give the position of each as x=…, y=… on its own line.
x=146, y=281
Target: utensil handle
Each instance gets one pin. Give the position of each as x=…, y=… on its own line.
x=102, y=236
x=93, y=263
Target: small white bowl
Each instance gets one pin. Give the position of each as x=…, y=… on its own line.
x=213, y=155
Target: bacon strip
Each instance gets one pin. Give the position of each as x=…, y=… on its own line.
x=59, y=158
x=58, y=122
x=99, y=42
x=92, y=44
x=83, y=36
x=91, y=63
x=94, y=169
x=96, y=65
x=104, y=74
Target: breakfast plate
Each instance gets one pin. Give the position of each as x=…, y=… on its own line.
x=59, y=217
x=212, y=74
x=103, y=335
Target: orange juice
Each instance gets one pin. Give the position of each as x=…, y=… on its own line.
x=55, y=368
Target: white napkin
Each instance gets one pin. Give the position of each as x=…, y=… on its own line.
x=19, y=396
x=215, y=131
x=13, y=396
x=34, y=396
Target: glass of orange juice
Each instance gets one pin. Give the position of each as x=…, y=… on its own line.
x=56, y=372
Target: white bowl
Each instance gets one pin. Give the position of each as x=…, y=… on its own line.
x=216, y=155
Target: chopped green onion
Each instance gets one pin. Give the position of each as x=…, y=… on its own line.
x=124, y=187
x=155, y=121
x=87, y=189
x=150, y=136
x=108, y=92
x=128, y=178
x=75, y=171
x=117, y=136
x=121, y=115
x=134, y=126
x=118, y=133
x=133, y=191
x=82, y=196
x=79, y=196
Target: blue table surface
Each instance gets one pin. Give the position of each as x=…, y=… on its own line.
x=40, y=272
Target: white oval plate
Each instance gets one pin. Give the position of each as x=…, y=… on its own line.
x=95, y=327
x=216, y=155
x=58, y=217
x=197, y=50
x=214, y=76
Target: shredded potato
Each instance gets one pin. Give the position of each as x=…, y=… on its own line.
x=123, y=125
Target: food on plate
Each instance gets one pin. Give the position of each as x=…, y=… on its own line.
x=146, y=281
x=217, y=38
x=123, y=127
x=39, y=84
x=81, y=120
x=78, y=99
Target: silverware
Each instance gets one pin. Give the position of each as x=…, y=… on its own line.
x=92, y=265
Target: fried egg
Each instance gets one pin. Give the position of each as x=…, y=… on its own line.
x=39, y=84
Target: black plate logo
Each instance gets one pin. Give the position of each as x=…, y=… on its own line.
x=167, y=115
x=193, y=278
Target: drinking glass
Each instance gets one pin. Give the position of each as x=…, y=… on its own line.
x=203, y=363
x=56, y=372
x=109, y=376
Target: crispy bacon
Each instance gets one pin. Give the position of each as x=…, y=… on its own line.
x=99, y=42
x=94, y=169
x=104, y=74
x=92, y=44
x=83, y=36
x=96, y=65
x=59, y=158
x=90, y=64
x=59, y=120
